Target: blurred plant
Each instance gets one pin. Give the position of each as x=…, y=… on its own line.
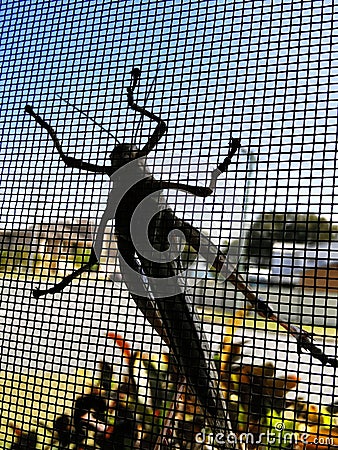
x=148, y=386
x=127, y=406
x=271, y=227
x=81, y=256
x=21, y=259
x=261, y=414
x=125, y=409
x=24, y=440
x=14, y=260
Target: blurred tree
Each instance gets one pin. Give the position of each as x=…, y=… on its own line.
x=272, y=227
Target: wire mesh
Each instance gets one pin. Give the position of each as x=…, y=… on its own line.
x=84, y=367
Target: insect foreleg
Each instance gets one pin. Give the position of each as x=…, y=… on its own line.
x=69, y=278
x=161, y=128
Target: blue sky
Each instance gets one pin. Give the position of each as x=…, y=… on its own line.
x=266, y=71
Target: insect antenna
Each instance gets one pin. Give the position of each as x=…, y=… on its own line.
x=90, y=118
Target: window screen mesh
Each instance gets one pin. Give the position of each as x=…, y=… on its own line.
x=83, y=367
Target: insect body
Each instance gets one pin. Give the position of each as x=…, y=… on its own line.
x=163, y=303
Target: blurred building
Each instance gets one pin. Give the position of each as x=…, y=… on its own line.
x=55, y=248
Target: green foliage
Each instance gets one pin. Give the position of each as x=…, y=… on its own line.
x=36, y=259
x=81, y=257
x=136, y=400
x=261, y=413
x=269, y=228
x=20, y=259
x=14, y=260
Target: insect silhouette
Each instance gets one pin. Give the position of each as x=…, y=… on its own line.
x=170, y=315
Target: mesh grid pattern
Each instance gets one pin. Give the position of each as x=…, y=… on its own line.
x=84, y=368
